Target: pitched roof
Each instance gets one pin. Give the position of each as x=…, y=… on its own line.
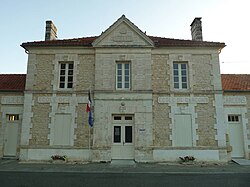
x=132, y=26
x=158, y=42
x=152, y=40
x=12, y=82
x=235, y=82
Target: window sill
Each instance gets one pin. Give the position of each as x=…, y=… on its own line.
x=181, y=90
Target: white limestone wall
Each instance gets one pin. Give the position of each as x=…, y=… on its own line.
x=138, y=105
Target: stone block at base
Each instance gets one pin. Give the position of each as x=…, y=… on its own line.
x=45, y=154
x=199, y=155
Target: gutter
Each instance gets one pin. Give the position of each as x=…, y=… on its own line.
x=238, y=91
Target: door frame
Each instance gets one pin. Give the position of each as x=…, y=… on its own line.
x=119, y=147
x=239, y=124
x=240, y=111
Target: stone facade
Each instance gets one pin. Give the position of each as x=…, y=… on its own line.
x=152, y=121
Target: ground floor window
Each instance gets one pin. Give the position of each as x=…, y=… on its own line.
x=12, y=117
x=233, y=118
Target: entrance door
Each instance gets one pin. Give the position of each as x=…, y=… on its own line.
x=62, y=129
x=236, y=136
x=183, y=130
x=123, y=140
x=10, y=139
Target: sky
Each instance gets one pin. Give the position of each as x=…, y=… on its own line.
x=222, y=21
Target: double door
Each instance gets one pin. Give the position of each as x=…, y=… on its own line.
x=123, y=138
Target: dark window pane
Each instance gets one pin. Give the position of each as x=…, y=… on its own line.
x=184, y=85
x=70, y=79
x=119, y=72
x=126, y=72
x=128, y=134
x=61, y=85
x=236, y=118
x=176, y=72
x=184, y=79
x=119, y=78
x=176, y=79
x=117, y=134
x=62, y=72
x=119, y=66
x=175, y=66
x=183, y=72
x=62, y=79
x=183, y=66
x=71, y=66
x=126, y=78
x=70, y=85
x=128, y=118
x=117, y=118
x=63, y=66
x=126, y=85
x=126, y=66
x=176, y=85
x=70, y=72
x=119, y=85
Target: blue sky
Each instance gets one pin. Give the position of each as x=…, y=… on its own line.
x=222, y=20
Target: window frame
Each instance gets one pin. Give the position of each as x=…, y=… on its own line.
x=180, y=76
x=69, y=67
x=123, y=75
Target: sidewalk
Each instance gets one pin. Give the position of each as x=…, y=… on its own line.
x=174, y=168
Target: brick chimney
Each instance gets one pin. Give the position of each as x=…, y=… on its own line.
x=196, y=29
x=51, y=31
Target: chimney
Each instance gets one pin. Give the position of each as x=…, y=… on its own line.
x=196, y=29
x=51, y=31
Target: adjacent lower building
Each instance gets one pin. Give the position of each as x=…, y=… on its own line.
x=153, y=99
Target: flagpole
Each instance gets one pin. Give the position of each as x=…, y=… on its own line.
x=89, y=138
x=90, y=119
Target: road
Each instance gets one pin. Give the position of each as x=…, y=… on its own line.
x=136, y=179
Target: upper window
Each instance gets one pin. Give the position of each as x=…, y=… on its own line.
x=66, y=75
x=180, y=72
x=123, y=76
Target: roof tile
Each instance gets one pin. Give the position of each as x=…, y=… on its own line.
x=235, y=82
x=158, y=42
x=12, y=82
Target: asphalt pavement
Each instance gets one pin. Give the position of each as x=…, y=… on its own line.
x=123, y=167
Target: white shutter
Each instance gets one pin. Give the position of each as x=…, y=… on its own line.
x=183, y=130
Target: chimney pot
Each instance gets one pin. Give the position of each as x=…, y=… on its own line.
x=50, y=31
x=196, y=29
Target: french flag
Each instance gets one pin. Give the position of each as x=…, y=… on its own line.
x=88, y=110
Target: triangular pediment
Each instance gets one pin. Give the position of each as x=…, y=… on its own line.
x=123, y=33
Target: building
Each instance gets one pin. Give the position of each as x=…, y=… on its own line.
x=11, y=111
x=237, y=113
x=154, y=99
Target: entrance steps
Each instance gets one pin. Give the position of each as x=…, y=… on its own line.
x=122, y=162
x=243, y=162
x=9, y=158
